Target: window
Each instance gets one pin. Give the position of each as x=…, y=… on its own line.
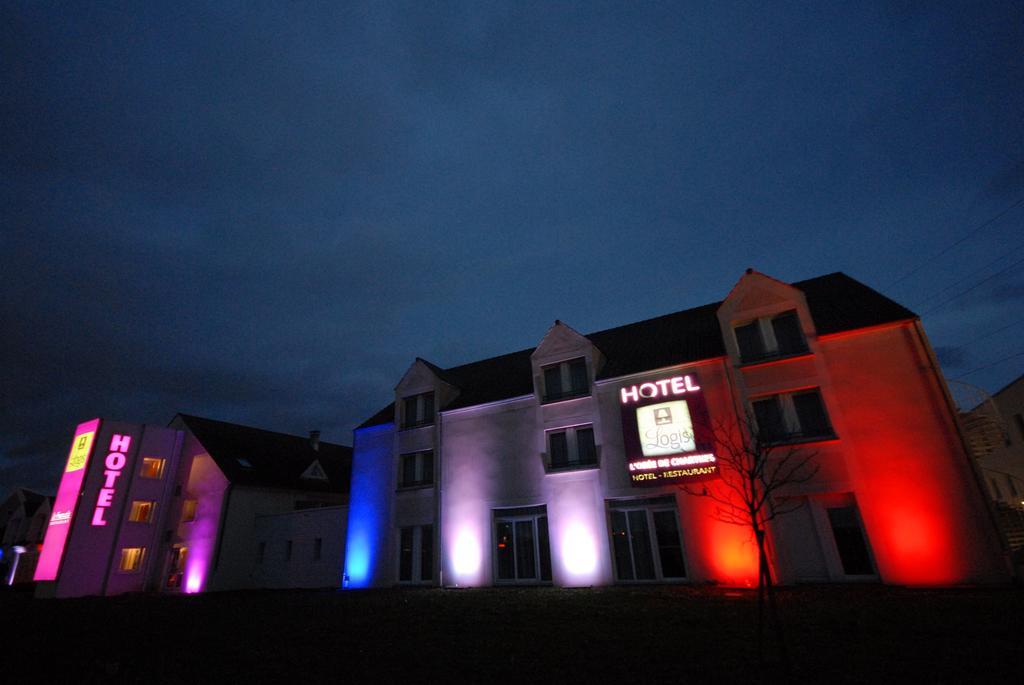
x=565, y=380
x=287, y=550
x=522, y=550
x=261, y=552
x=995, y=488
x=572, y=448
x=789, y=339
x=131, y=559
x=645, y=540
x=1019, y=420
x=750, y=342
x=418, y=410
x=850, y=542
x=417, y=469
x=318, y=548
x=792, y=417
x=152, y=467
x=142, y=511
x=770, y=338
x=176, y=566
x=416, y=554
x=188, y=511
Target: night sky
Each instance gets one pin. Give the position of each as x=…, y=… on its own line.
x=262, y=214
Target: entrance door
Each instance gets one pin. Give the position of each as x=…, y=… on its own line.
x=522, y=551
x=176, y=567
x=645, y=540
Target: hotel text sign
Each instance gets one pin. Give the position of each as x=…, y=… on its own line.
x=115, y=461
x=667, y=432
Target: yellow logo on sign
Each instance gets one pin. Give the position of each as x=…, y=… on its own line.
x=80, y=451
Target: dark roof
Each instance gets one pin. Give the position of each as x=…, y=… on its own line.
x=277, y=459
x=33, y=500
x=836, y=301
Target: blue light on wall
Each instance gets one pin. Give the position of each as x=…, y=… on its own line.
x=368, y=513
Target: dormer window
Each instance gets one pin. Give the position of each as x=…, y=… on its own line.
x=770, y=338
x=566, y=379
x=418, y=410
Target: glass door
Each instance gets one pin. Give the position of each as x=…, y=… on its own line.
x=522, y=550
x=645, y=541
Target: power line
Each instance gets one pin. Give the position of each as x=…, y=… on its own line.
x=969, y=234
x=968, y=276
x=998, y=330
x=976, y=285
x=987, y=366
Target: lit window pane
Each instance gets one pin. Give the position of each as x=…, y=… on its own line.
x=141, y=511
x=152, y=467
x=131, y=559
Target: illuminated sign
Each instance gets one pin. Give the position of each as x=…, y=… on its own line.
x=113, y=464
x=666, y=431
x=66, y=500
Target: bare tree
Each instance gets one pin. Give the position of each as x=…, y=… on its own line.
x=758, y=474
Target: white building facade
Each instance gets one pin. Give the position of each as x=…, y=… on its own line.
x=566, y=464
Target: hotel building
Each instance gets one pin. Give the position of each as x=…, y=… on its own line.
x=199, y=505
x=581, y=461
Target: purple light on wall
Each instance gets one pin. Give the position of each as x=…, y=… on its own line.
x=207, y=485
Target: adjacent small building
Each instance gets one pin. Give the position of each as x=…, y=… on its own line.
x=995, y=430
x=197, y=506
x=568, y=463
x=23, y=519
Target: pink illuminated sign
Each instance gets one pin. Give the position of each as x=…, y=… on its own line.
x=66, y=501
x=115, y=461
x=666, y=431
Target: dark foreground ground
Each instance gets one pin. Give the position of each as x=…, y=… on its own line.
x=614, y=635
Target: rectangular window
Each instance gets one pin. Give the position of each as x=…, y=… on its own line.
x=791, y=417
x=416, y=554
x=318, y=548
x=750, y=341
x=188, y=511
x=261, y=552
x=572, y=448
x=131, y=559
x=565, y=380
x=522, y=549
x=1019, y=420
x=810, y=414
x=770, y=338
x=152, y=467
x=142, y=511
x=287, y=550
x=418, y=410
x=768, y=414
x=646, y=544
x=789, y=339
x=995, y=488
x=417, y=469
x=850, y=542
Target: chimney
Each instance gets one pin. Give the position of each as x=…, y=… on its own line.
x=314, y=440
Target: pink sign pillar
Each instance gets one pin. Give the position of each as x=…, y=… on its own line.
x=66, y=501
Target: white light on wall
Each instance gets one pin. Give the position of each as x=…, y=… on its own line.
x=579, y=552
x=466, y=555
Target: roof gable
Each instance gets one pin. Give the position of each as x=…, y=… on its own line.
x=836, y=302
x=257, y=457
